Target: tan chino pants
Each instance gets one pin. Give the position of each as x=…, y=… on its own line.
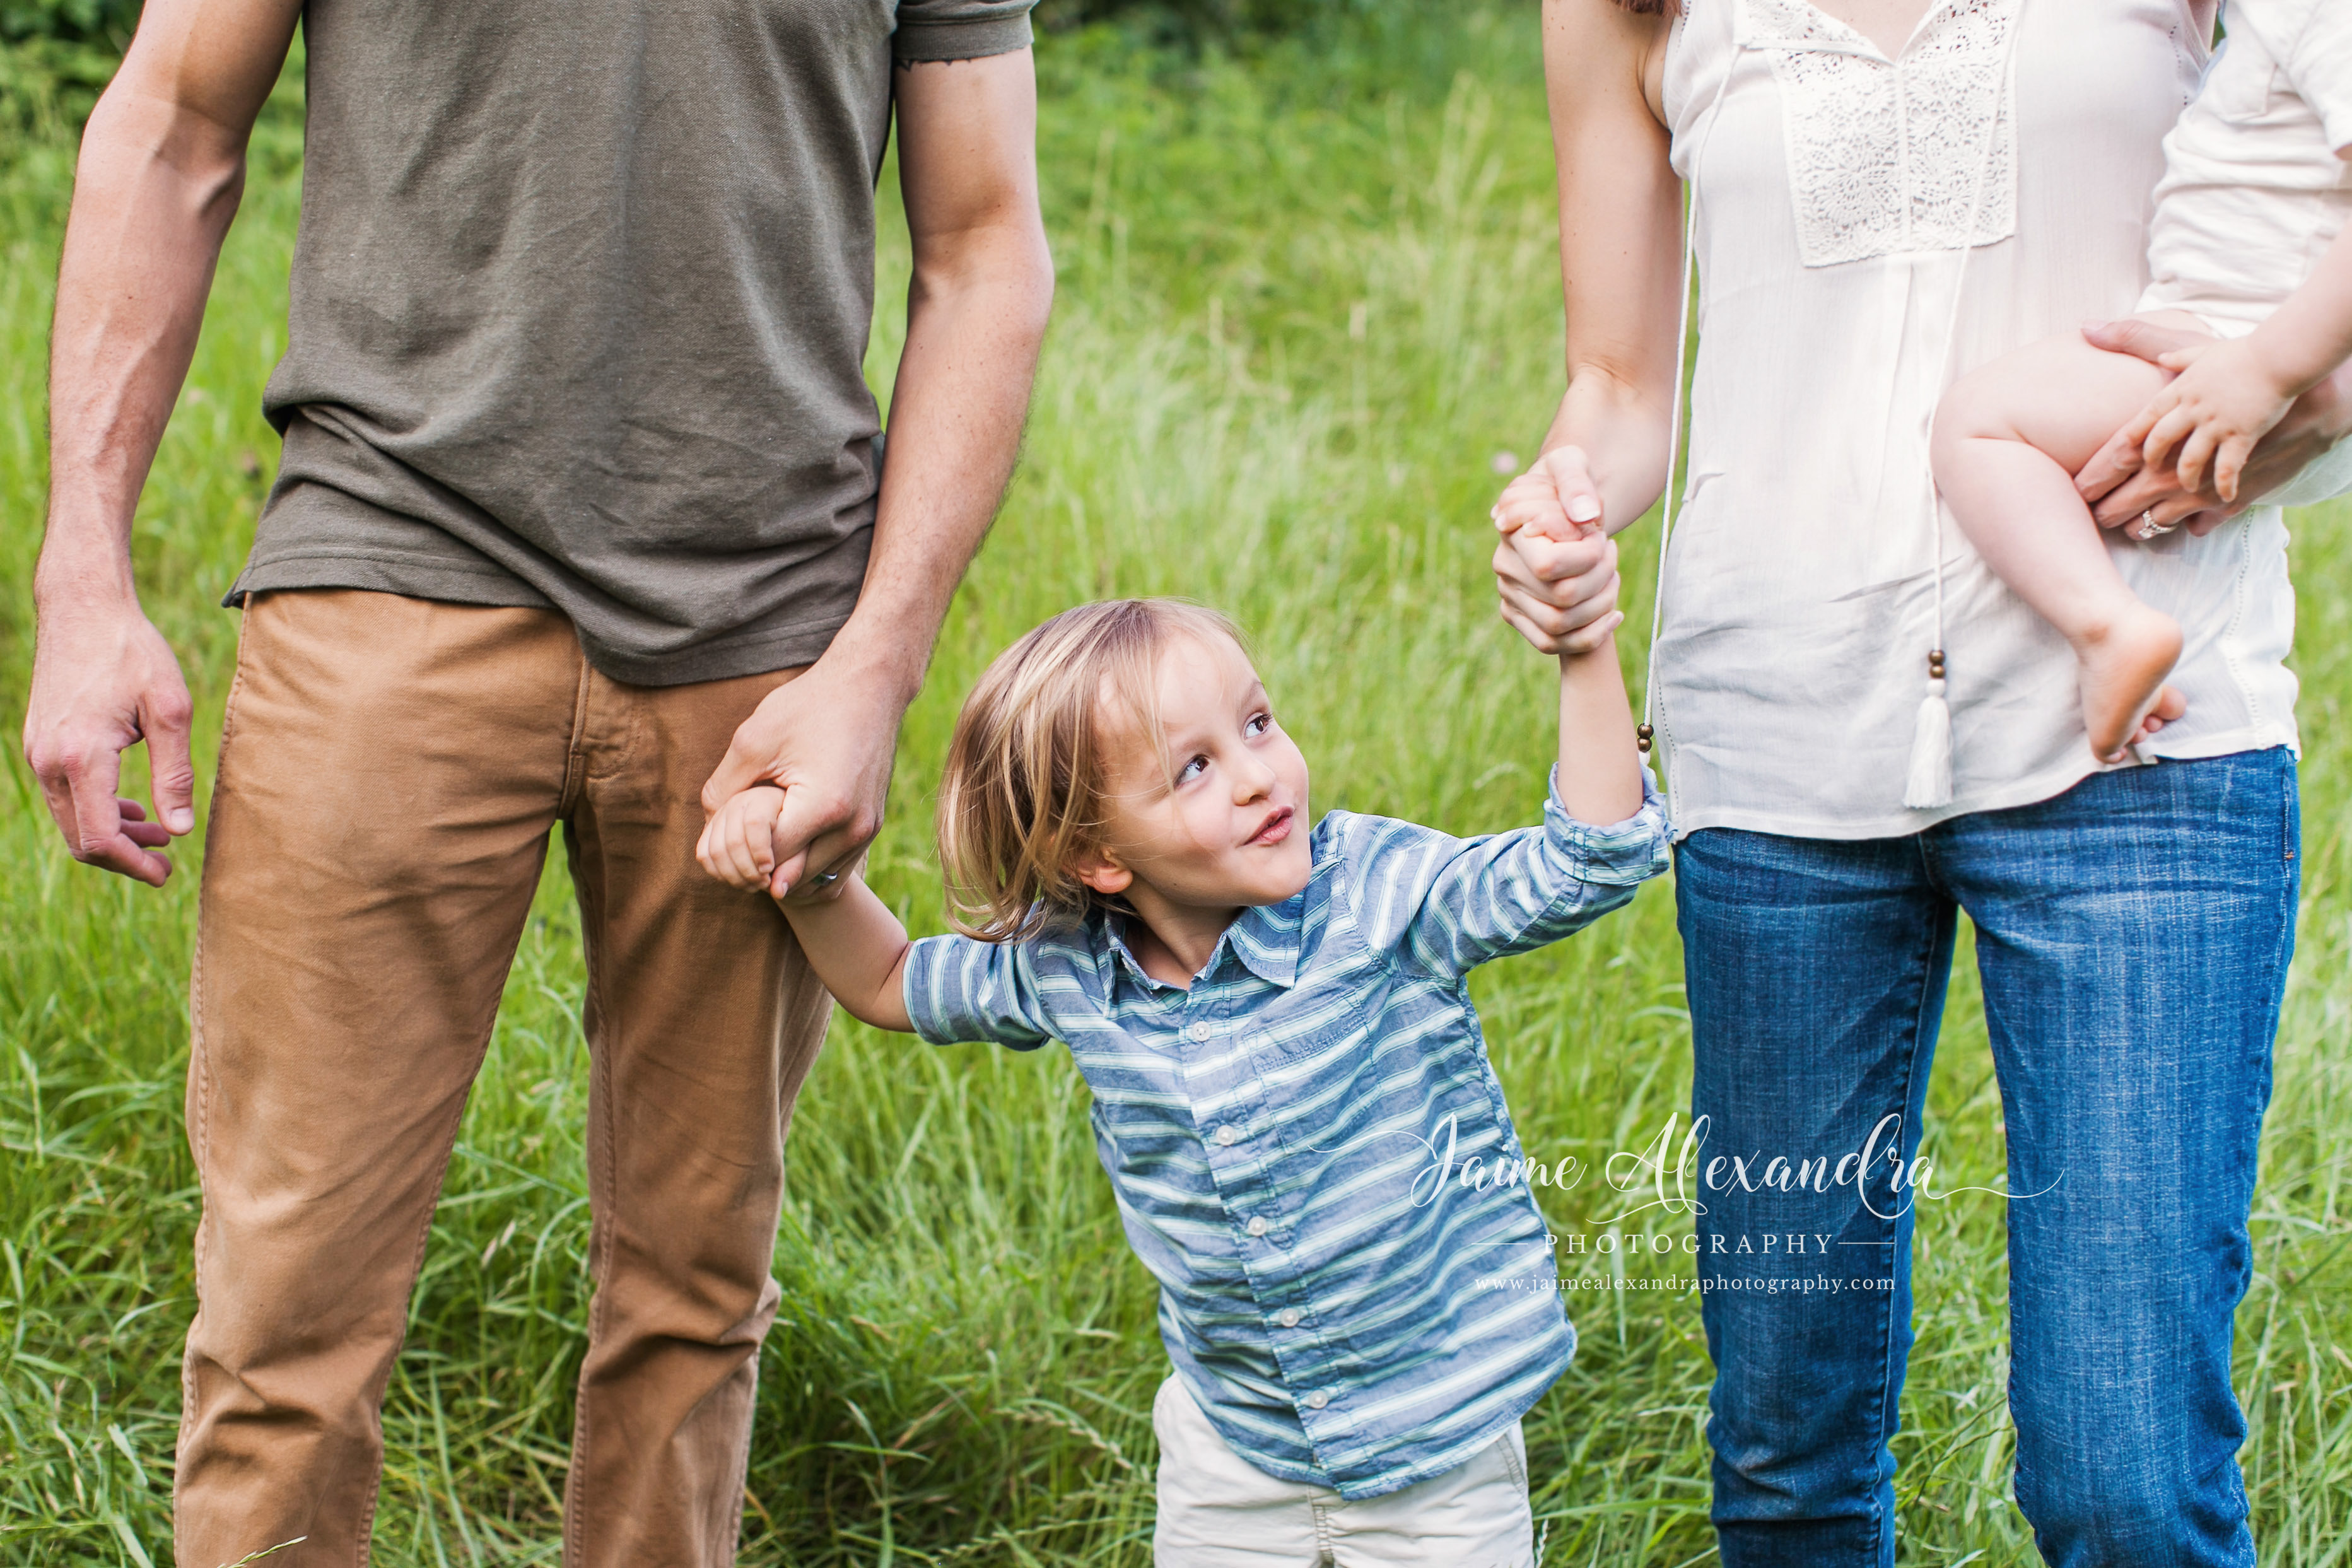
x=389, y=770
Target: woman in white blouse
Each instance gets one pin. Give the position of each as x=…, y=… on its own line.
x=1885, y=193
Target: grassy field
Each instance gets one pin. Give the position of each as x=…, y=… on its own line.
x=1306, y=302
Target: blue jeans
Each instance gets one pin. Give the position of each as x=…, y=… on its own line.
x=2133, y=935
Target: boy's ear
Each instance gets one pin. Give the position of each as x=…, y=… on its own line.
x=1103, y=875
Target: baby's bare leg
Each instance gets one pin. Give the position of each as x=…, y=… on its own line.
x=2008, y=440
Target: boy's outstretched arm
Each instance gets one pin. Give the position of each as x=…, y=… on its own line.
x=853, y=941
x=859, y=950
x=1600, y=765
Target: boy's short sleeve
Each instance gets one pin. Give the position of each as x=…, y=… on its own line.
x=2312, y=39
x=957, y=989
x=960, y=29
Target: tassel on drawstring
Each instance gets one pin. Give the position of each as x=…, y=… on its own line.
x=1931, y=744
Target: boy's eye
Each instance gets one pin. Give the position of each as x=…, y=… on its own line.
x=1192, y=769
x=1257, y=725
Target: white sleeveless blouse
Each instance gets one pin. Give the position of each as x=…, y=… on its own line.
x=1835, y=191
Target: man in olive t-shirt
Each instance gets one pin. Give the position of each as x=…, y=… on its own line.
x=582, y=519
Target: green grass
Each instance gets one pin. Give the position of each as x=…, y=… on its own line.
x=1304, y=303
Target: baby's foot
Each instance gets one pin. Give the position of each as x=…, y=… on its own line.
x=2122, y=667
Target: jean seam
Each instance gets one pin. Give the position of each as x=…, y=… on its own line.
x=1897, y=1255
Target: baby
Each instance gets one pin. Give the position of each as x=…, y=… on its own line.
x=2244, y=245
x=1291, y=1094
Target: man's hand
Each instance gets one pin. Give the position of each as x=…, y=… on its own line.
x=826, y=740
x=1555, y=568
x=161, y=165
x=104, y=679
x=2121, y=488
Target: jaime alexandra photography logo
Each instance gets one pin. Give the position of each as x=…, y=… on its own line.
x=1671, y=1174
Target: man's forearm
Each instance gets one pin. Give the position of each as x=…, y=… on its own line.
x=973, y=333
x=161, y=168
x=150, y=208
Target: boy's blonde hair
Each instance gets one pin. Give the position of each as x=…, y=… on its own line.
x=1026, y=792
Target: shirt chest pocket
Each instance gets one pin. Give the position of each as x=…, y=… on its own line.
x=2241, y=84
x=1338, y=1008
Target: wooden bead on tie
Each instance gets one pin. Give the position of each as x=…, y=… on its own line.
x=1936, y=664
x=1642, y=736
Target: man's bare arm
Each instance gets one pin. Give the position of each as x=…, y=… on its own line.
x=161, y=168
x=983, y=283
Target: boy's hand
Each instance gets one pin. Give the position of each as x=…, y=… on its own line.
x=2224, y=400
x=739, y=843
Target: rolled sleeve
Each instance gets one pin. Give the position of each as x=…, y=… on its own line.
x=1624, y=854
x=1452, y=904
x=957, y=989
x=960, y=29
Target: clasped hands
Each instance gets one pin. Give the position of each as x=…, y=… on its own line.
x=1556, y=574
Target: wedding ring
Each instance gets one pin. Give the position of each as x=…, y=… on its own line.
x=2152, y=529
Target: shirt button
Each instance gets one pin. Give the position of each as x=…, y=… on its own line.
x=1290, y=1317
x=1197, y=1030
x=1317, y=1400
x=1229, y=1133
x=1257, y=1225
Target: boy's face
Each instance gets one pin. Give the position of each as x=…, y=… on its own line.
x=1224, y=823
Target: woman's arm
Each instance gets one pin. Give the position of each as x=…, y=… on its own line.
x=1619, y=247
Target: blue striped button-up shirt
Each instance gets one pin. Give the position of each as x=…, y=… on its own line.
x=1305, y=1145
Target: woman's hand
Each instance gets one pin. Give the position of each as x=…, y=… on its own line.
x=1555, y=568
x=2123, y=488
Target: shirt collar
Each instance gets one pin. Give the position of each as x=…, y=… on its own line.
x=1112, y=925
x=1264, y=939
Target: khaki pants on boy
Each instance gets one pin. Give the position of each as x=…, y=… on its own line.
x=1219, y=1511
x=390, y=771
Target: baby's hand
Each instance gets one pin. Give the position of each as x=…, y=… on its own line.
x=739, y=844
x=2223, y=401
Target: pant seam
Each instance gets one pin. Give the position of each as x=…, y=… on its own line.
x=199, y=1059
x=1897, y=1255
x=600, y=1238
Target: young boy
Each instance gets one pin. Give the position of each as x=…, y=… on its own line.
x=1291, y=1095
x=2246, y=244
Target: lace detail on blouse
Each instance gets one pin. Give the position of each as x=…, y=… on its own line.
x=1887, y=156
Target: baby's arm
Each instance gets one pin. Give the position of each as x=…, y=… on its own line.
x=853, y=941
x=2231, y=392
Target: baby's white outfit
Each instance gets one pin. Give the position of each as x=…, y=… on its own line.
x=2255, y=188
x=1219, y=1511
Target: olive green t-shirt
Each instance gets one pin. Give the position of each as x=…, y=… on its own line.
x=579, y=310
